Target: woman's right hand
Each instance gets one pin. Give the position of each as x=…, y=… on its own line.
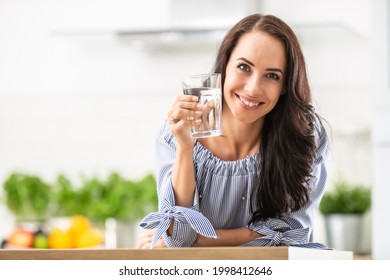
x=185, y=112
x=146, y=238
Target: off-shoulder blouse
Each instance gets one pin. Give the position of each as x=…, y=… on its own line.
x=223, y=197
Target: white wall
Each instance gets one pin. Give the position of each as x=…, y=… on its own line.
x=381, y=131
x=75, y=98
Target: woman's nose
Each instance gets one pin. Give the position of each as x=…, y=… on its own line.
x=252, y=86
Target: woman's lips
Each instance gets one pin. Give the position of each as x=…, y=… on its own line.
x=248, y=104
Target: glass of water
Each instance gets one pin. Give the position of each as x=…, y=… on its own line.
x=208, y=88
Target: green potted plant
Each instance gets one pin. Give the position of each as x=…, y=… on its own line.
x=343, y=209
x=27, y=197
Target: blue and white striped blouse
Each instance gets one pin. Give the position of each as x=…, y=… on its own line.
x=222, y=198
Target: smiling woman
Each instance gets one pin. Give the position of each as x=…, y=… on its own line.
x=261, y=181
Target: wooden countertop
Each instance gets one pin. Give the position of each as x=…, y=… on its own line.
x=210, y=253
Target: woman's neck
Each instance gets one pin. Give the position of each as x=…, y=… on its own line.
x=238, y=141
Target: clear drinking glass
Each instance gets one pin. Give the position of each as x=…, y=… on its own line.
x=208, y=88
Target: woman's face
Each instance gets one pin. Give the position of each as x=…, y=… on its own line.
x=254, y=76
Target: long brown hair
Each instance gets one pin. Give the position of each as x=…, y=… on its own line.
x=287, y=143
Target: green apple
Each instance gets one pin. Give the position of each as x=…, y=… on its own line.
x=40, y=241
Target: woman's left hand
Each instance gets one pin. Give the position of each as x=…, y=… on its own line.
x=146, y=239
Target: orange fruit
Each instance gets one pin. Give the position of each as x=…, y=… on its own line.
x=79, y=224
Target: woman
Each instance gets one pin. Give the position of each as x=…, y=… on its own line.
x=260, y=183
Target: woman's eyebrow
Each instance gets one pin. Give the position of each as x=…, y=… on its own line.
x=267, y=69
x=246, y=60
x=274, y=70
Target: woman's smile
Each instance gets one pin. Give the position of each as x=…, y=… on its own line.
x=248, y=103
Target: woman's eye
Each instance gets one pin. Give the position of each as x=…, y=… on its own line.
x=244, y=67
x=272, y=76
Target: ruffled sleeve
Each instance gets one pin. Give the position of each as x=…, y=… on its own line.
x=187, y=221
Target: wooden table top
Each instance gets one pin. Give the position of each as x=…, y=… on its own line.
x=209, y=253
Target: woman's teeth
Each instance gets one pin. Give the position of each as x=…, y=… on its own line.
x=250, y=104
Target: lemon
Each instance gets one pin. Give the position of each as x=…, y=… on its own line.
x=89, y=238
x=60, y=239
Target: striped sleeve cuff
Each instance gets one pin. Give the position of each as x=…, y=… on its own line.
x=187, y=223
x=278, y=233
x=183, y=236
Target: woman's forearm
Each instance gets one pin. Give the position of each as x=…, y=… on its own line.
x=228, y=237
x=183, y=177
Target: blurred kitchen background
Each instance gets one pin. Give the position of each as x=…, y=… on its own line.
x=85, y=85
